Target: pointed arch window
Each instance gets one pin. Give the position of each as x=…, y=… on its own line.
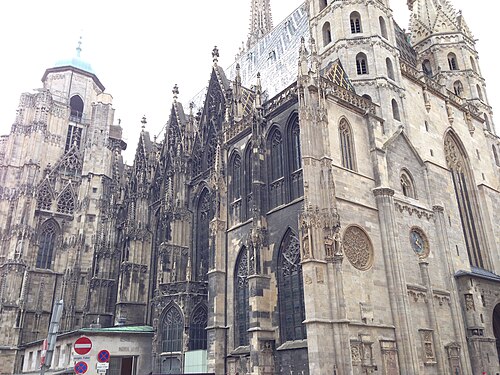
x=241, y=299
x=495, y=155
x=44, y=197
x=248, y=182
x=198, y=329
x=276, y=187
x=407, y=185
x=235, y=187
x=463, y=183
x=427, y=68
x=395, y=110
x=458, y=88
x=291, y=290
x=327, y=34
x=346, y=145
x=172, y=330
x=355, y=20
x=452, y=61
x=47, y=239
x=383, y=27
x=473, y=64
x=295, y=158
x=322, y=4
x=204, y=215
x=487, y=122
x=361, y=64
x=479, y=92
x=66, y=202
x=390, y=68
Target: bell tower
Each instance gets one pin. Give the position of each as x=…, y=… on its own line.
x=446, y=52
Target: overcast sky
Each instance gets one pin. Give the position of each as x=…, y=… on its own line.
x=140, y=49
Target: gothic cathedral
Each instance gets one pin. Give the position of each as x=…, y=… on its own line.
x=329, y=204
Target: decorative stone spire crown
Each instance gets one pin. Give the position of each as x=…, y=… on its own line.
x=260, y=21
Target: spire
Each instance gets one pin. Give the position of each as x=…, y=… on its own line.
x=260, y=21
x=79, y=47
x=432, y=17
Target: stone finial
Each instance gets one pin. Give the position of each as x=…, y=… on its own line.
x=215, y=55
x=175, y=91
x=143, y=122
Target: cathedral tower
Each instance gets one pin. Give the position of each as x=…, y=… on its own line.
x=261, y=21
x=58, y=163
x=446, y=51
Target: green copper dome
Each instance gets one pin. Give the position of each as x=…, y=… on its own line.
x=76, y=61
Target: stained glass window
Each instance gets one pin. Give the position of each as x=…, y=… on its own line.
x=172, y=330
x=197, y=329
x=291, y=290
x=241, y=302
x=47, y=239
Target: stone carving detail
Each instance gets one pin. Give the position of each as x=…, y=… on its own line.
x=358, y=248
x=469, y=302
x=355, y=353
x=389, y=358
x=427, y=345
x=291, y=255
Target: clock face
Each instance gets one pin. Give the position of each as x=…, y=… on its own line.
x=418, y=243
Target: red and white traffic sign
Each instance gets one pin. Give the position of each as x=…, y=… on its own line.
x=82, y=345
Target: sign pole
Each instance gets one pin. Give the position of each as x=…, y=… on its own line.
x=52, y=335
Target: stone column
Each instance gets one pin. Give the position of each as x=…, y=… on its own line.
x=444, y=248
x=431, y=312
x=396, y=282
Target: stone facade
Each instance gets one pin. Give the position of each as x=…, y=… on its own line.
x=332, y=216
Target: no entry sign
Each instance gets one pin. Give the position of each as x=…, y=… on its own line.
x=82, y=345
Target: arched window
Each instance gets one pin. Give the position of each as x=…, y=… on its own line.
x=473, y=64
x=427, y=68
x=204, y=214
x=44, y=196
x=367, y=97
x=197, y=329
x=248, y=182
x=487, y=122
x=73, y=137
x=275, y=142
x=241, y=301
x=395, y=110
x=452, y=61
x=322, y=4
x=495, y=155
x=479, y=92
x=295, y=158
x=458, y=164
x=66, y=202
x=235, y=187
x=327, y=34
x=407, y=185
x=390, y=69
x=172, y=330
x=383, y=27
x=290, y=289
x=76, y=106
x=458, y=88
x=355, y=20
x=47, y=240
x=346, y=145
x=361, y=64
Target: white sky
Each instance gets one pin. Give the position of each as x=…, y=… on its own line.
x=140, y=49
